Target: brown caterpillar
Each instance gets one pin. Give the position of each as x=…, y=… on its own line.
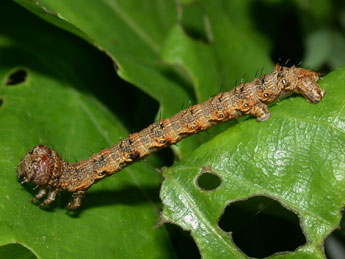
x=45, y=168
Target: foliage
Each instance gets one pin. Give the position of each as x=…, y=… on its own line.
x=176, y=53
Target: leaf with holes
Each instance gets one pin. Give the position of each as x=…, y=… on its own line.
x=49, y=87
x=134, y=34
x=296, y=157
x=160, y=56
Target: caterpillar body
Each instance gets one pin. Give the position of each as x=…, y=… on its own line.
x=45, y=168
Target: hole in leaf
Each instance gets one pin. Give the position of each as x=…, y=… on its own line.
x=15, y=251
x=182, y=242
x=335, y=243
x=261, y=227
x=1, y=102
x=17, y=77
x=208, y=180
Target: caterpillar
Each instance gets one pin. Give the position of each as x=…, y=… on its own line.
x=44, y=167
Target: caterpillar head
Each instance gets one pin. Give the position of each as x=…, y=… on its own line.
x=38, y=165
x=303, y=81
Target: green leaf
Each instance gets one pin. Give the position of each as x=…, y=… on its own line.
x=131, y=33
x=296, y=157
x=325, y=47
x=134, y=35
x=56, y=105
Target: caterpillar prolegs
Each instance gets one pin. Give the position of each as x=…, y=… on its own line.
x=45, y=168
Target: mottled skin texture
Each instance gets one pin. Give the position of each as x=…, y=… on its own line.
x=44, y=167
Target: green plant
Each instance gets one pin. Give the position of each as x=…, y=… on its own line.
x=176, y=53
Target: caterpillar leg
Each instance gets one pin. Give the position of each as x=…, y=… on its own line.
x=260, y=111
x=42, y=192
x=76, y=200
x=51, y=197
x=264, y=117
